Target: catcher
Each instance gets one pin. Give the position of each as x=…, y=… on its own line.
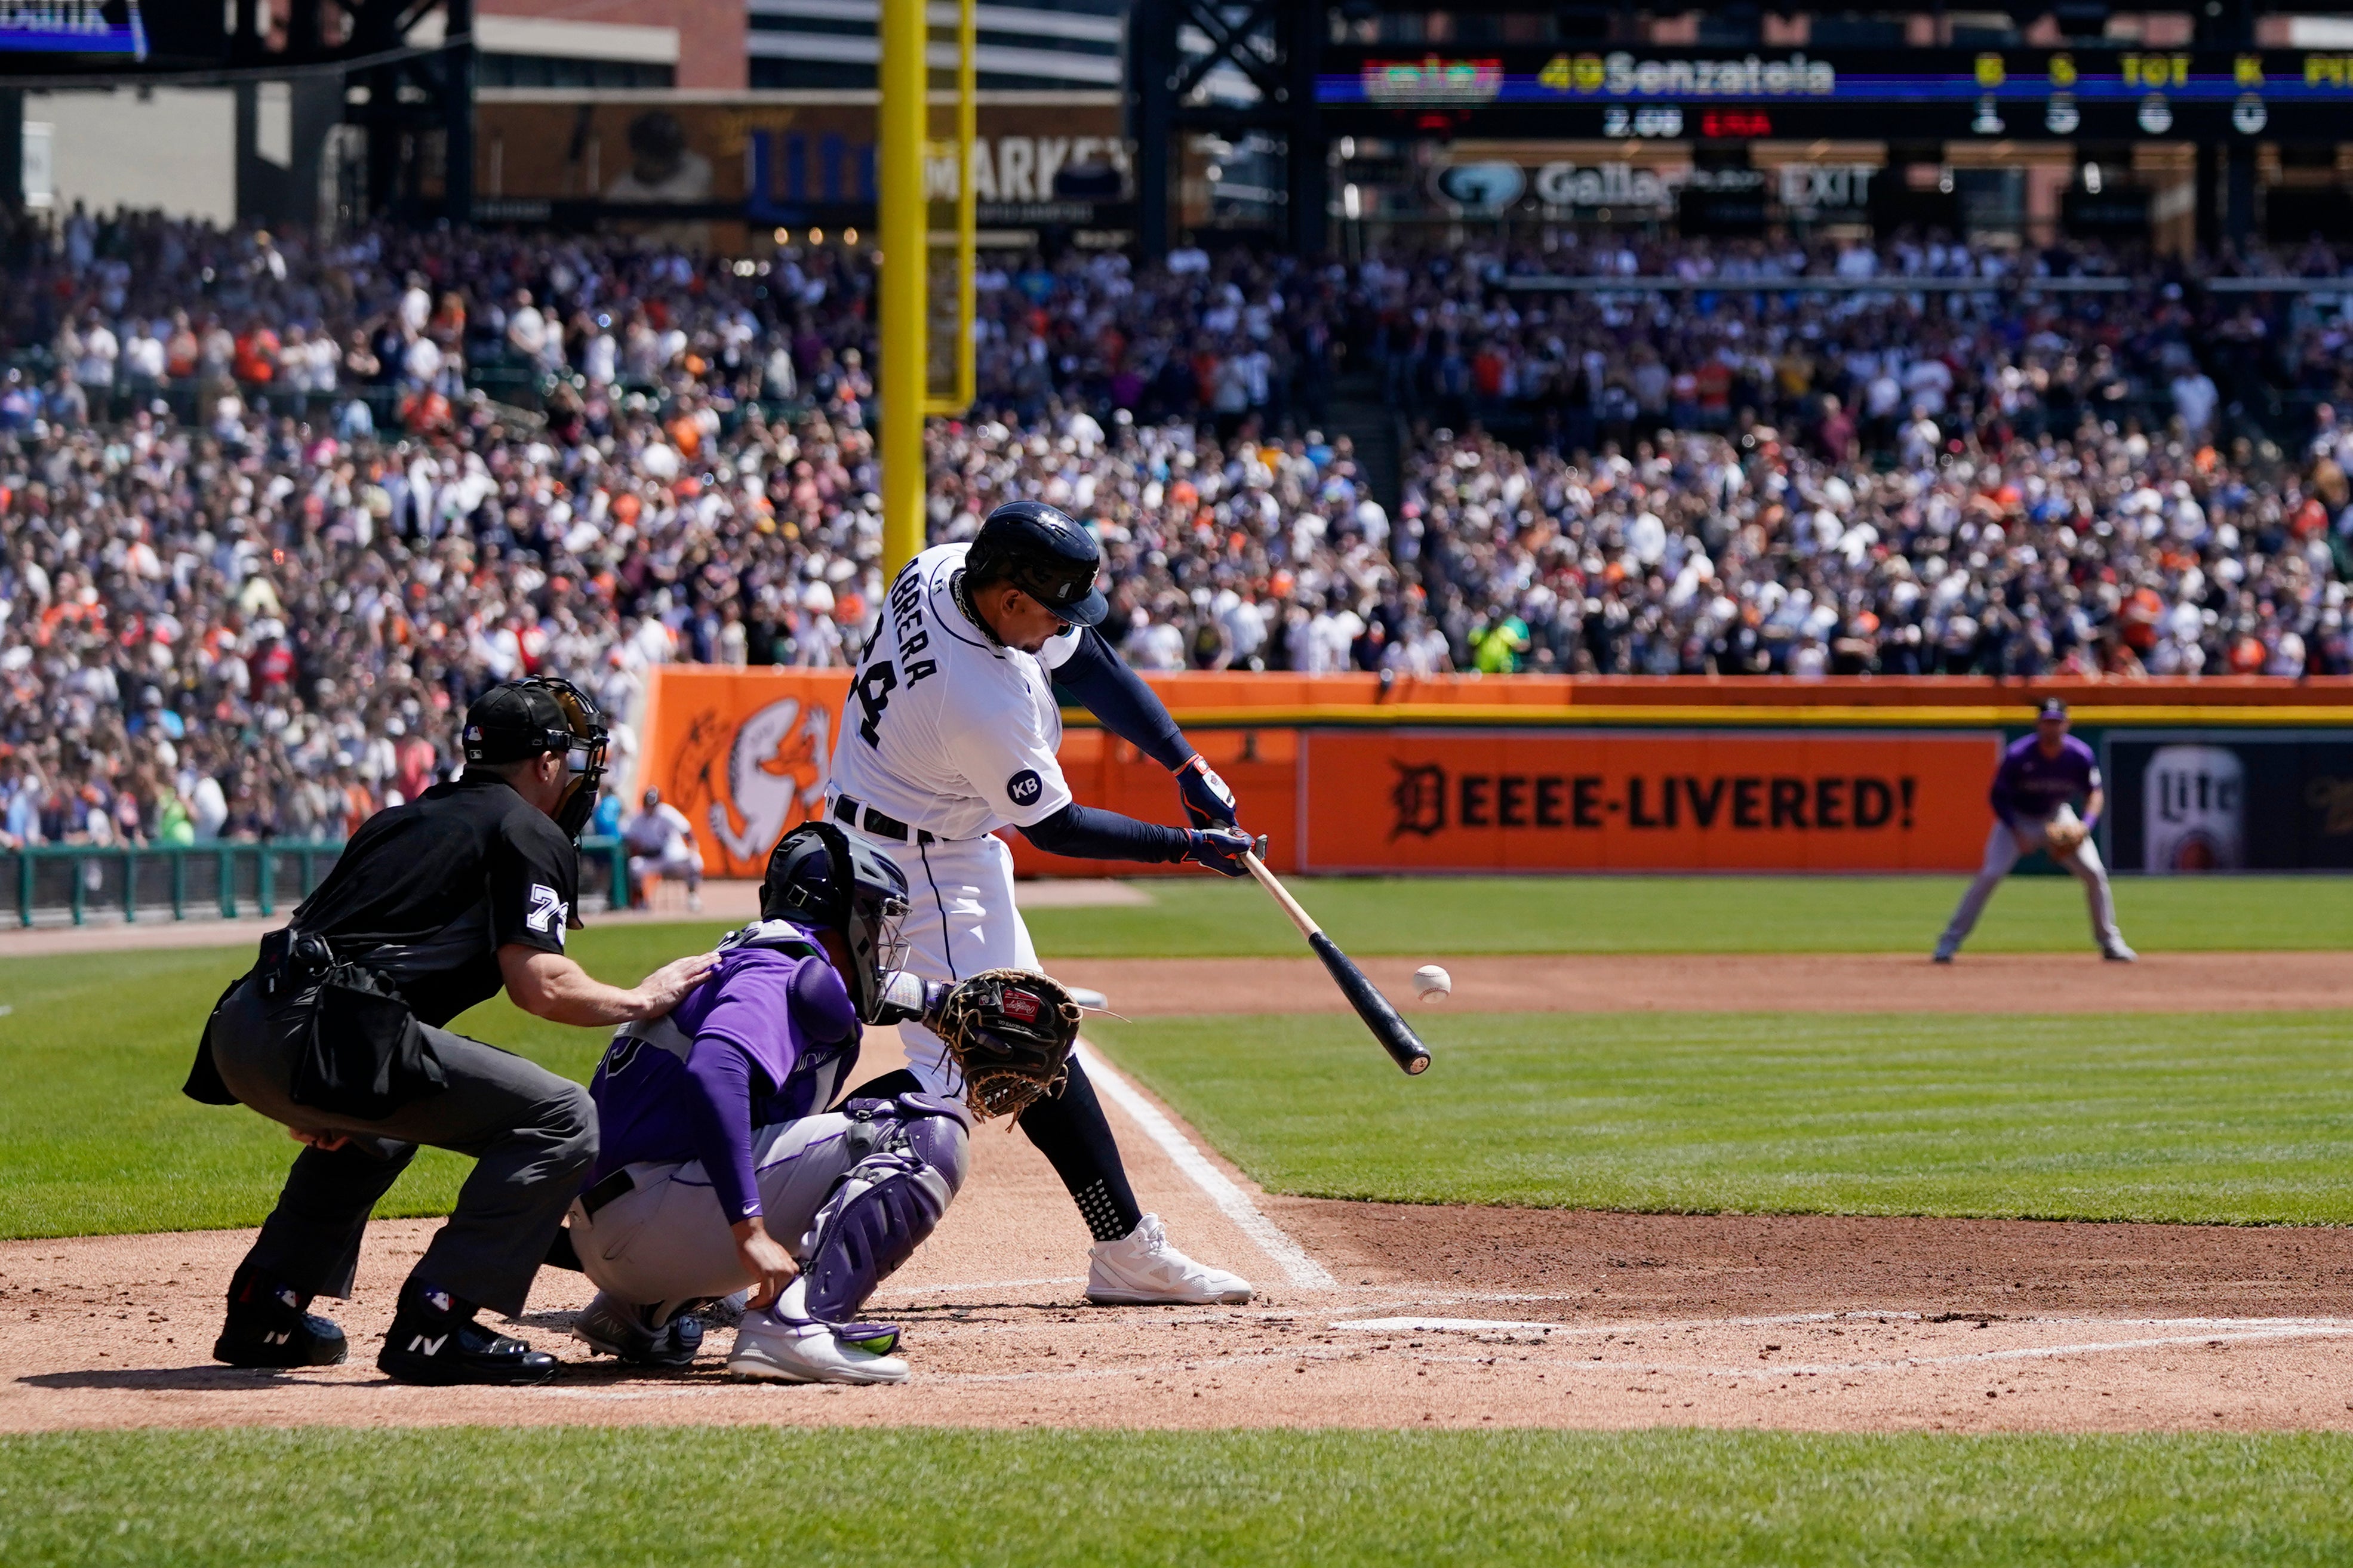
x=722, y=1169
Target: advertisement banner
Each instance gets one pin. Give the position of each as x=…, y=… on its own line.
x=742, y=752
x=1037, y=158
x=1571, y=801
x=2195, y=801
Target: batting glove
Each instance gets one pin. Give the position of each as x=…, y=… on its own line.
x=1208, y=801
x=1221, y=849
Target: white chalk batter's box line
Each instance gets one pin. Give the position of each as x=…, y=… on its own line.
x=1799, y=1319
x=2211, y=1331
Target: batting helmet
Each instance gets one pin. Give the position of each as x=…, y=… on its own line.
x=1043, y=552
x=820, y=877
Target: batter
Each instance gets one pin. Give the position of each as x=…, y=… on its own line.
x=2034, y=791
x=950, y=733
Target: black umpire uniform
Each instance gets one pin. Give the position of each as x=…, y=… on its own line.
x=339, y=1033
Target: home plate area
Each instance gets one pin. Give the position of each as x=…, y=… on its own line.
x=1367, y=1315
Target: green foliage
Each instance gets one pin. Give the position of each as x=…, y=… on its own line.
x=576, y=1498
x=2241, y=1118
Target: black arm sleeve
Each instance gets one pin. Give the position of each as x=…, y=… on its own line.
x=1085, y=833
x=1105, y=686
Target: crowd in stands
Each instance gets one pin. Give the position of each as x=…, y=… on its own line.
x=272, y=510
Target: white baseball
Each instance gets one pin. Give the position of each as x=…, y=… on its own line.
x=1433, y=983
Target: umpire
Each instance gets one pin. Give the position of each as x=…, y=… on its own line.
x=338, y=1033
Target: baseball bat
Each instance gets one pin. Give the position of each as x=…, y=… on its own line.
x=1395, y=1036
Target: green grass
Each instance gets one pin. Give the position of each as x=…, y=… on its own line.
x=2204, y=1118
x=582, y=1497
x=96, y=1138
x=1203, y=916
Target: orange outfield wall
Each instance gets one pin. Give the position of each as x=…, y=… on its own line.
x=1343, y=773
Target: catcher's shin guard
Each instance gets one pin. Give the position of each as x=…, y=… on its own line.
x=884, y=1206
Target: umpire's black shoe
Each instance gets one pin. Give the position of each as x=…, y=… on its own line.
x=616, y=1328
x=268, y=1327
x=432, y=1341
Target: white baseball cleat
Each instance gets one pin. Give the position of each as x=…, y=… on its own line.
x=1142, y=1269
x=2118, y=952
x=768, y=1347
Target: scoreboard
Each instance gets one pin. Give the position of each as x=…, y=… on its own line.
x=1924, y=94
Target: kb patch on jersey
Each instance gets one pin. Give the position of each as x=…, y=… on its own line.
x=1023, y=787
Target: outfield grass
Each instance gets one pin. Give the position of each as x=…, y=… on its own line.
x=95, y=1137
x=579, y=1498
x=2205, y=1118
x=1204, y=916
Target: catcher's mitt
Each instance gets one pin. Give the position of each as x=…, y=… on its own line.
x=1011, y=1031
x=2065, y=836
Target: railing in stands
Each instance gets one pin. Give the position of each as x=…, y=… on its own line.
x=72, y=884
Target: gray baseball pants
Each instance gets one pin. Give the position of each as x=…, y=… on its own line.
x=667, y=1240
x=2005, y=846
x=533, y=1136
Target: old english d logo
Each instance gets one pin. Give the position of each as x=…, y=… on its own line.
x=1421, y=800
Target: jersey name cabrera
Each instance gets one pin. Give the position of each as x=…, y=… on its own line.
x=945, y=728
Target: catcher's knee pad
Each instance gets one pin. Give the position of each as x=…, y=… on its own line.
x=884, y=1206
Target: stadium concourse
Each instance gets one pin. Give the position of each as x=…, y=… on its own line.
x=266, y=526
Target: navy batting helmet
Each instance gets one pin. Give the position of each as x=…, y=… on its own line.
x=1042, y=551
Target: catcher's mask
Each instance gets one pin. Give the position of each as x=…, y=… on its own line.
x=819, y=877
x=517, y=720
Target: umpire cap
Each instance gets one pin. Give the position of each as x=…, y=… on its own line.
x=1043, y=552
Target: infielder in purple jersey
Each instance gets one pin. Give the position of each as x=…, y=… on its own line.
x=2034, y=792
x=720, y=1167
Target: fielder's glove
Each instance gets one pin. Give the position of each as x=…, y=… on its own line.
x=1208, y=801
x=1011, y=1031
x=1221, y=849
x=2066, y=838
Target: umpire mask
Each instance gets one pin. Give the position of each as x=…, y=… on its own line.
x=820, y=877
x=517, y=720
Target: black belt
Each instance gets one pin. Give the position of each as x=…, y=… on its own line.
x=619, y=1184
x=858, y=814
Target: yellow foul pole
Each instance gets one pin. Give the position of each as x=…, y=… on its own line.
x=901, y=121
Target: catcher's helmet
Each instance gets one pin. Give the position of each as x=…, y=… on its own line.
x=1043, y=552
x=516, y=720
x=820, y=877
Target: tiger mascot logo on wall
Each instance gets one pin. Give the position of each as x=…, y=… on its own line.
x=750, y=782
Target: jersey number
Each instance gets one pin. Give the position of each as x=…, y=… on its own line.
x=873, y=691
x=874, y=687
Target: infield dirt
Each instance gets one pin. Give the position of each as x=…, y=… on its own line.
x=1436, y=1315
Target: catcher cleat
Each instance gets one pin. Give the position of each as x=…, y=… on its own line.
x=722, y=1312
x=780, y=1350
x=434, y=1342
x=616, y=1328
x=267, y=1327
x=1142, y=1269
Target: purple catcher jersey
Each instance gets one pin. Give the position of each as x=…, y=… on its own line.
x=771, y=1025
x=2031, y=786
